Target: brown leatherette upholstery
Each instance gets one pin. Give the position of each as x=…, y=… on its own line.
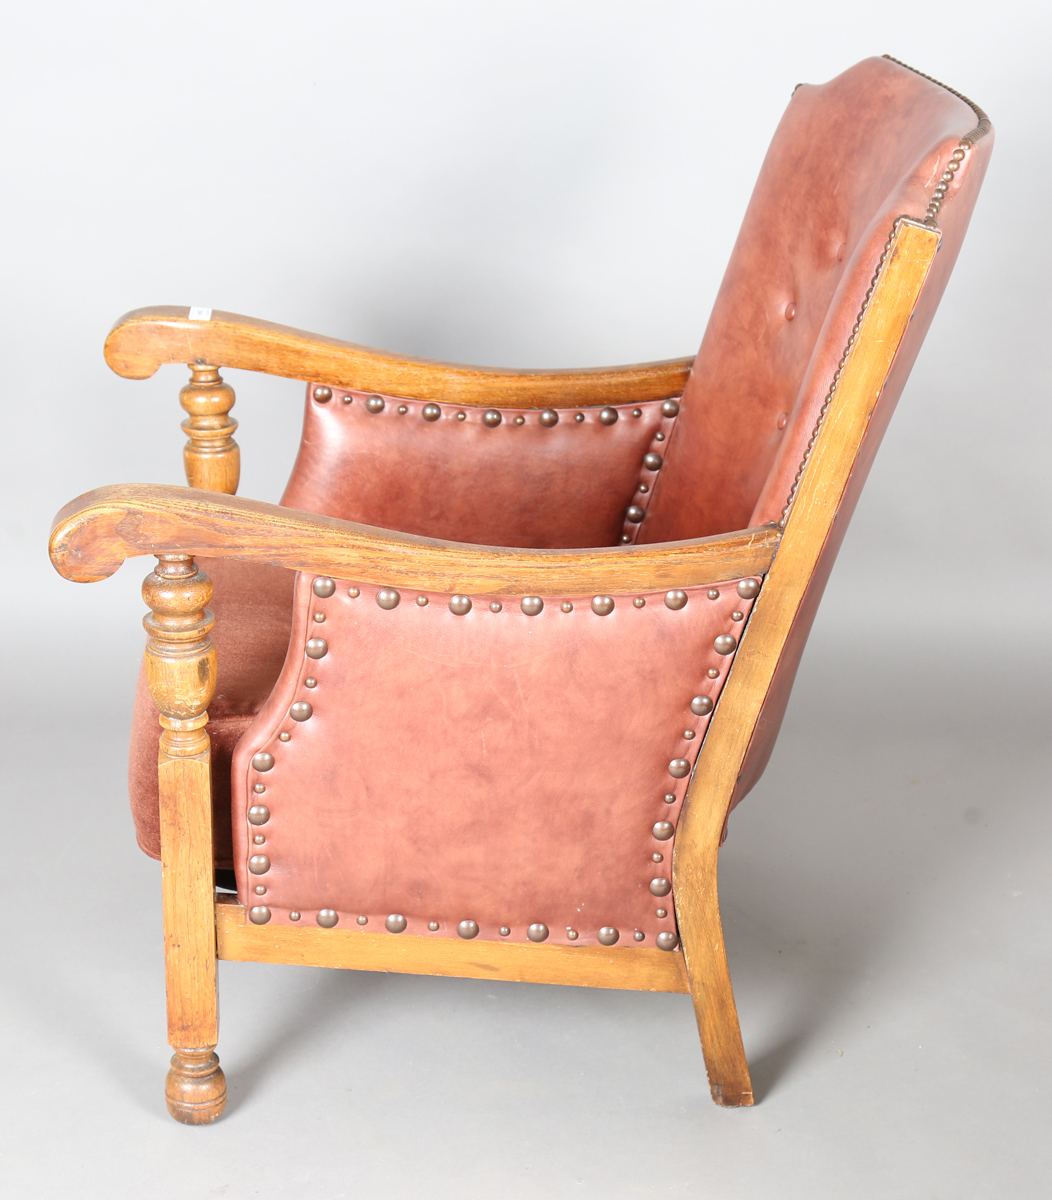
x=511, y=740
x=492, y=767
x=849, y=156
x=443, y=471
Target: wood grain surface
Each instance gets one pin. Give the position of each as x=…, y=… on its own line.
x=146, y=338
x=630, y=967
x=708, y=798
x=95, y=533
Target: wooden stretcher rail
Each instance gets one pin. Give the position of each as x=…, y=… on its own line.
x=146, y=338
x=95, y=533
x=629, y=967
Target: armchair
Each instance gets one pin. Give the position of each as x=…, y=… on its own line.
x=478, y=696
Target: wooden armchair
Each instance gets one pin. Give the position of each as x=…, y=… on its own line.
x=545, y=623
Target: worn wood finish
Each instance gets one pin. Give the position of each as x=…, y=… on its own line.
x=211, y=456
x=820, y=493
x=629, y=967
x=94, y=534
x=181, y=672
x=146, y=338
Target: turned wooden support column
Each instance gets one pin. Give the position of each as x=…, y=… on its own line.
x=211, y=456
x=181, y=672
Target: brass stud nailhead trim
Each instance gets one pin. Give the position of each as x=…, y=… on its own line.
x=602, y=606
x=549, y=417
x=431, y=412
x=537, y=932
x=459, y=605
x=675, y=599
x=660, y=887
x=468, y=929
x=328, y=918
x=679, y=768
x=531, y=605
x=316, y=648
x=395, y=923
x=259, y=915
x=375, y=404
x=388, y=598
x=301, y=711
x=258, y=814
x=259, y=864
x=263, y=761
x=607, y=936
x=725, y=644
x=323, y=394
x=323, y=586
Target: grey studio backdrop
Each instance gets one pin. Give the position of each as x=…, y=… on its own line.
x=535, y=184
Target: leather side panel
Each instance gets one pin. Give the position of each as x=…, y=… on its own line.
x=516, y=483
x=491, y=767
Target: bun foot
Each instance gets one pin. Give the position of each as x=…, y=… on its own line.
x=196, y=1087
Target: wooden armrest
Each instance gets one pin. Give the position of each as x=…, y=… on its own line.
x=94, y=534
x=143, y=340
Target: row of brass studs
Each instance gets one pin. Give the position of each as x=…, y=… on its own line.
x=680, y=768
x=491, y=417
x=653, y=461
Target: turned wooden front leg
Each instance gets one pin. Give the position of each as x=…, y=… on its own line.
x=181, y=672
x=211, y=456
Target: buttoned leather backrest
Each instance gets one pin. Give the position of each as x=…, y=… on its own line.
x=848, y=157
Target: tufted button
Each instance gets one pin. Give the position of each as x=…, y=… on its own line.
x=790, y=311
x=783, y=420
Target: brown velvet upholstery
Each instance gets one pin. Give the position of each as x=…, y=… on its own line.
x=848, y=158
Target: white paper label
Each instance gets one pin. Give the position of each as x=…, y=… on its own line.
x=200, y=314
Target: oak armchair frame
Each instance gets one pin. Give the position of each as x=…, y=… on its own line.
x=95, y=533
